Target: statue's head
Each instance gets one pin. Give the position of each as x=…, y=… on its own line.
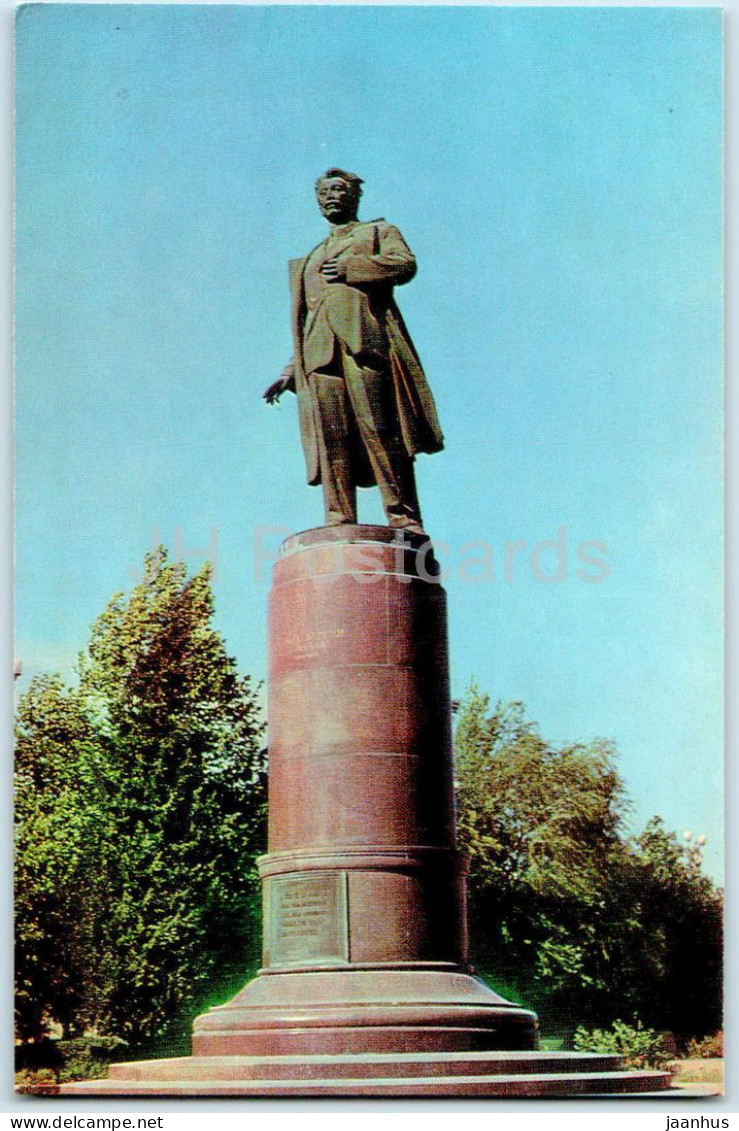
x=338, y=194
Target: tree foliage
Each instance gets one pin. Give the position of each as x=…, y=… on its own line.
x=567, y=912
x=670, y=951
x=140, y=810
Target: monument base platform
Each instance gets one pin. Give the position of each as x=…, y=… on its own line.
x=427, y=1030
x=483, y=1074
x=434, y=1007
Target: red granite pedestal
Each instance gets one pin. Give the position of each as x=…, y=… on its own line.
x=364, y=926
x=365, y=988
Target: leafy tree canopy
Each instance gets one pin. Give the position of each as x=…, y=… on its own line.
x=140, y=809
x=566, y=911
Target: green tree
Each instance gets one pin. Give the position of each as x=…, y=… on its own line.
x=143, y=790
x=566, y=912
x=541, y=827
x=668, y=965
x=56, y=843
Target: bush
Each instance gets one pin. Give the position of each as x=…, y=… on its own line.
x=87, y=1058
x=81, y=1058
x=706, y=1048
x=641, y=1048
x=30, y=1081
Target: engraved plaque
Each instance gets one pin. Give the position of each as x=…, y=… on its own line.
x=306, y=919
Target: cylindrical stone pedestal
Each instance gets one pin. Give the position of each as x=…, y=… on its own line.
x=364, y=918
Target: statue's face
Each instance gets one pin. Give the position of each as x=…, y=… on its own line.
x=337, y=200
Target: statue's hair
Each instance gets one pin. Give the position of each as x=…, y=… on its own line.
x=351, y=179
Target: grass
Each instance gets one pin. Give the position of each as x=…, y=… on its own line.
x=552, y=1044
x=694, y=1071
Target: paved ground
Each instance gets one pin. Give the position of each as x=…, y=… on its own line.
x=700, y=1075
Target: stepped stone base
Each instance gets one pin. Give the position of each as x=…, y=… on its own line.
x=385, y=1010
x=501, y=1074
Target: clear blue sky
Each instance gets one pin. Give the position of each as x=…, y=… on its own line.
x=558, y=174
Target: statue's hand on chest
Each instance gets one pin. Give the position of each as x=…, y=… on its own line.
x=333, y=270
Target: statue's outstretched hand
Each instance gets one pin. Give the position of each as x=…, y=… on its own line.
x=276, y=389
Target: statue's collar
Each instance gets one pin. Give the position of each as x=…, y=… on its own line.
x=342, y=229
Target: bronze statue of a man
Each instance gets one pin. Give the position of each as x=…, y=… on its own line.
x=364, y=405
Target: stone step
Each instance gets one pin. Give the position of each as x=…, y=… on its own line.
x=533, y=1084
x=672, y=1093
x=364, y=1065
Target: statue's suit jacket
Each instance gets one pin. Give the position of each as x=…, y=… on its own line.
x=362, y=315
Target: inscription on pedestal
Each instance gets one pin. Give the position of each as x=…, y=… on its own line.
x=306, y=919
